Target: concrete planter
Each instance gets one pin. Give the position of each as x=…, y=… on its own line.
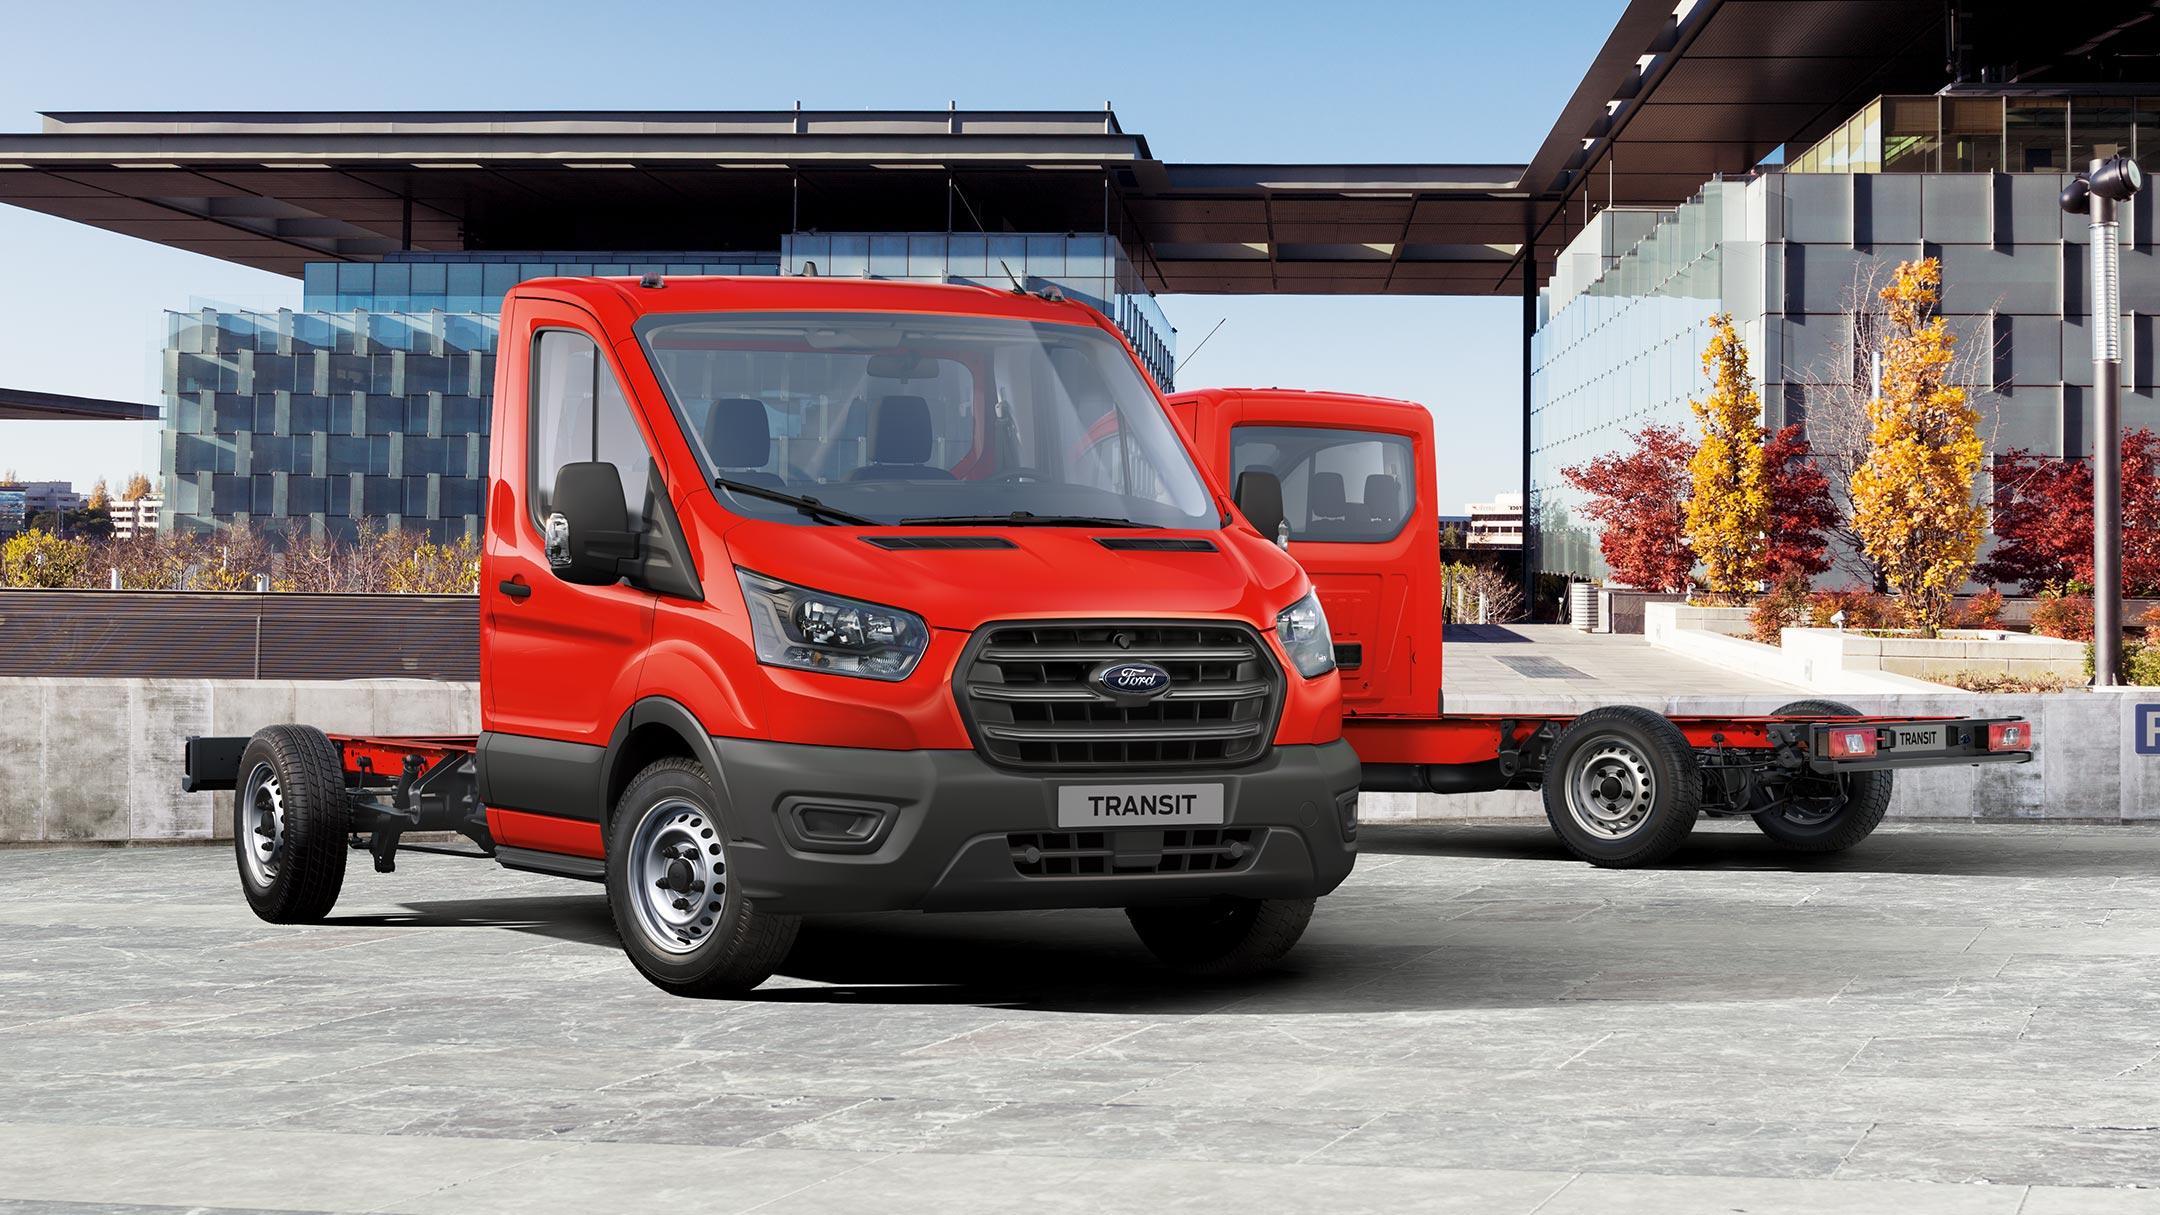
x=1939, y=658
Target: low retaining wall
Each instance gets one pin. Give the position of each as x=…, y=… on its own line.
x=1693, y=632
x=98, y=760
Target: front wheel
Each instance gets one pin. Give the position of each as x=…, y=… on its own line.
x=682, y=917
x=1223, y=939
x=1622, y=787
x=1819, y=811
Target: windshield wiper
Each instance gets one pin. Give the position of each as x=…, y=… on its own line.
x=802, y=502
x=1021, y=518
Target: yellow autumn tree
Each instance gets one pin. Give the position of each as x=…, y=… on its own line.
x=1913, y=503
x=100, y=498
x=1728, y=512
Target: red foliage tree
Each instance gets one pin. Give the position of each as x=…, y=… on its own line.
x=2043, y=509
x=1801, y=512
x=1638, y=498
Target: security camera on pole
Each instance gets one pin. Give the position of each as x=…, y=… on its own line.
x=2113, y=180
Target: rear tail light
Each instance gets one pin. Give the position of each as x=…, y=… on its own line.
x=1852, y=742
x=2010, y=736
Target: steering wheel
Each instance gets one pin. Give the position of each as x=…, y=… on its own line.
x=1019, y=476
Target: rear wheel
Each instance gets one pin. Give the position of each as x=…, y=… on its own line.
x=291, y=816
x=1823, y=811
x=682, y=917
x=1622, y=787
x=1223, y=939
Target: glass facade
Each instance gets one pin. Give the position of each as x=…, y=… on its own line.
x=1620, y=336
x=317, y=420
x=1622, y=324
x=373, y=400
x=1962, y=133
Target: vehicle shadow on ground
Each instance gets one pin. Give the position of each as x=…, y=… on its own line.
x=1739, y=847
x=564, y=917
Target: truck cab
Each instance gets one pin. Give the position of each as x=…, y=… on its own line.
x=810, y=595
x=1355, y=474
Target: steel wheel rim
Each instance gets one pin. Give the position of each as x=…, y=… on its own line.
x=262, y=825
x=677, y=868
x=1612, y=788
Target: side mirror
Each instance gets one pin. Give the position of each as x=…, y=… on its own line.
x=1259, y=496
x=586, y=540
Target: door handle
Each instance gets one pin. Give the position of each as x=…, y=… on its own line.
x=515, y=588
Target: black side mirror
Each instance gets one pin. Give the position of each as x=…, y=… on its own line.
x=1259, y=496
x=586, y=539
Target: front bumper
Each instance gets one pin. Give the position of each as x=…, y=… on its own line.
x=945, y=817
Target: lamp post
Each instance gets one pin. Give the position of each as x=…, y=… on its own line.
x=2110, y=181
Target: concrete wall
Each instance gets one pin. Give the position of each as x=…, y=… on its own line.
x=99, y=759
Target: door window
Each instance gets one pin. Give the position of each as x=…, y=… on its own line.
x=1339, y=486
x=579, y=413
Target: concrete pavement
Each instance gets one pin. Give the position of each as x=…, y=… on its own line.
x=1948, y=1019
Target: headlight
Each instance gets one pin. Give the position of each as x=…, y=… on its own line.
x=795, y=626
x=1303, y=629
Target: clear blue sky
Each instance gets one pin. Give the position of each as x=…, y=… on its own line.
x=80, y=310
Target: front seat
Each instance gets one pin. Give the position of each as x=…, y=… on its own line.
x=739, y=439
x=900, y=443
x=1383, y=499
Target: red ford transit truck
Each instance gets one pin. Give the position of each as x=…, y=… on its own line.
x=821, y=595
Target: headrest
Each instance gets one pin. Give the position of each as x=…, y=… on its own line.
x=901, y=433
x=737, y=435
x=1326, y=495
x=1383, y=498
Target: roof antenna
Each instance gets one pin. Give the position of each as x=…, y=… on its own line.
x=975, y=219
x=1195, y=350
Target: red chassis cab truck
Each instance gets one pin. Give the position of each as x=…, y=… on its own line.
x=1339, y=480
x=816, y=595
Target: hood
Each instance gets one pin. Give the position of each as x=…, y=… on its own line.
x=1047, y=571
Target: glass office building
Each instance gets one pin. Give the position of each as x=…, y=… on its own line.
x=373, y=400
x=1972, y=180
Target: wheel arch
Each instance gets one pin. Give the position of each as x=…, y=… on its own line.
x=654, y=728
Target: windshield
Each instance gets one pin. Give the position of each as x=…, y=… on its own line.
x=901, y=417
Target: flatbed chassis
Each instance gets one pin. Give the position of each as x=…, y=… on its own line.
x=420, y=784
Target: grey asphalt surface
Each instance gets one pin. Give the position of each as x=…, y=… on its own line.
x=1955, y=1019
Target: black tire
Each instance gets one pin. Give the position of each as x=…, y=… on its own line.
x=291, y=817
x=1815, y=812
x=1224, y=939
x=706, y=941
x=1622, y=787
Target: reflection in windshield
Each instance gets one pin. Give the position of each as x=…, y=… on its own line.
x=894, y=417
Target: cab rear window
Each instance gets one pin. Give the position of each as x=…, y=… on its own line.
x=1339, y=486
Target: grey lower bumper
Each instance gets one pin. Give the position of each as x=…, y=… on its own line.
x=943, y=844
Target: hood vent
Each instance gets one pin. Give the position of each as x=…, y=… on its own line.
x=921, y=542
x=1156, y=544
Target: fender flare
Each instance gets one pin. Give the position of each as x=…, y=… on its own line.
x=654, y=711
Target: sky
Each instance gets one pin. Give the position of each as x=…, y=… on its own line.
x=82, y=311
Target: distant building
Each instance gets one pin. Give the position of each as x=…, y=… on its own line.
x=1498, y=523
x=14, y=511
x=139, y=516
x=42, y=496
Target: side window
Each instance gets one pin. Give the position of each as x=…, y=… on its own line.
x=1341, y=486
x=579, y=413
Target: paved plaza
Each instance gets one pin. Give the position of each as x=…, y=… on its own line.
x=1961, y=1019
x=1545, y=660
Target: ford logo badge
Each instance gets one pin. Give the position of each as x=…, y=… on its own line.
x=1140, y=679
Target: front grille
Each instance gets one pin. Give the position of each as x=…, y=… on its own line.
x=1103, y=853
x=1026, y=693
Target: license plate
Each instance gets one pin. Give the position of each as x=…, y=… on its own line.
x=1918, y=738
x=1109, y=806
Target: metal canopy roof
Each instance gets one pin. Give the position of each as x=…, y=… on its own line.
x=1674, y=97
x=18, y=404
